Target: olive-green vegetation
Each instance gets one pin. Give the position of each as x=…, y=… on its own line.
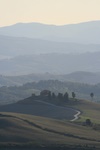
x=32, y=131
x=15, y=93
x=89, y=110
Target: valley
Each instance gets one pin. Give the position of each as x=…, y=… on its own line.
x=50, y=86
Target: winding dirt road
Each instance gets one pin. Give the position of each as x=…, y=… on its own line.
x=76, y=116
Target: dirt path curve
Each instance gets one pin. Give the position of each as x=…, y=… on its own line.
x=76, y=116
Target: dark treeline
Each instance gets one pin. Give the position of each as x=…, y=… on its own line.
x=52, y=97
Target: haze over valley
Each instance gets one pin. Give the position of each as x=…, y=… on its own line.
x=63, y=62
x=25, y=48
x=33, y=52
x=50, y=75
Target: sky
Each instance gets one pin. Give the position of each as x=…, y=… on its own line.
x=57, y=12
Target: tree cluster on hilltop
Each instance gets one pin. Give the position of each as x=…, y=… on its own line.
x=15, y=93
x=51, y=97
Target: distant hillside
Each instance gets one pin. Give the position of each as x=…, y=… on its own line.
x=53, y=63
x=14, y=46
x=80, y=77
x=83, y=77
x=22, y=79
x=86, y=32
x=13, y=94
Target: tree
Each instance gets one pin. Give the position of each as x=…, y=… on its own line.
x=66, y=97
x=92, y=95
x=88, y=122
x=49, y=95
x=73, y=95
x=60, y=96
x=53, y=95
x=33, y=95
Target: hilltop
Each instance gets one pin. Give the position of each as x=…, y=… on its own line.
x=37, y=106
x=13, y=94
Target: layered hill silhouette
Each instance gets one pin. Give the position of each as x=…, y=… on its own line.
x=52, y=63
x=20, y=42
x=86, y=32
x=14, y=46
x=80, y=77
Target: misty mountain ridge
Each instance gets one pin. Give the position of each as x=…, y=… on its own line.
x=86, y=32
x=36, y=51
x=53, y=63
x=79, y=77
x=14, y=46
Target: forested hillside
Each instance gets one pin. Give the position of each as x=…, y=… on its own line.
x=15, y=93
x=80, y=76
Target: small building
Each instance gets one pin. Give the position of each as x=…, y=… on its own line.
x=45, y=93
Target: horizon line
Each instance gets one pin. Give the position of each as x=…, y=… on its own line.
x=50, y=24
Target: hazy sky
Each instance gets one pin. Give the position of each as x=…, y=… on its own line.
x=48, y=11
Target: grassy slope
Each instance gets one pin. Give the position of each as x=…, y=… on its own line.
x=21, y=128
x=26, y=129
x=32, y=107
x=89, y=110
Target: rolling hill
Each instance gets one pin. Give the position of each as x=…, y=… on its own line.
x=28, y=131
x=53, y=63
x=40, y=108
x=83, y=77
x=44, y=133
x=86, y=32
x=15, y=46
x=80, y=77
